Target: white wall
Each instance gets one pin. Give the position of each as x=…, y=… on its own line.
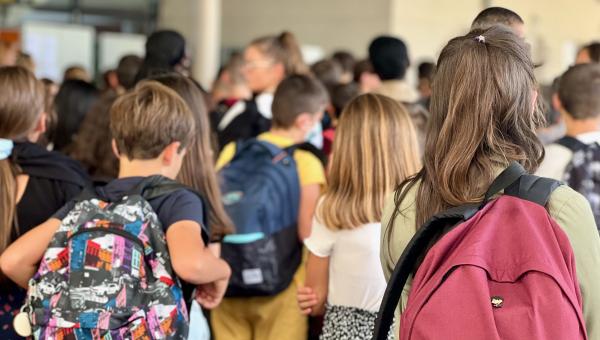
x=331, y=24
x=556, y=29
x=427, y=25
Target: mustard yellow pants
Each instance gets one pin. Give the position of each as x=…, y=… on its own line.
x=262, y=318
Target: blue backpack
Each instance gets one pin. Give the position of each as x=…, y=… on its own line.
x=261, y=194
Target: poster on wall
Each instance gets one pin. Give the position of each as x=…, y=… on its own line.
x=55, y=47
x=113, y=46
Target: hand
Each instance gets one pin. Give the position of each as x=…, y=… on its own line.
x=210, y=295
x=307, y=300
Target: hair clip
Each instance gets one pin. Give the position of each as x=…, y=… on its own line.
x=480, y=38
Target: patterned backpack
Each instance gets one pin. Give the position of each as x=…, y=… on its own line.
x=583, y=171
x=107, y=273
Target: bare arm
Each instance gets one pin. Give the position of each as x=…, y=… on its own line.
x=20, y=260
x=192, y=261
x=309, y=197
x=313, y=296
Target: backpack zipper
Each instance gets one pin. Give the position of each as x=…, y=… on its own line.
x=119, y=232
x=123, y=233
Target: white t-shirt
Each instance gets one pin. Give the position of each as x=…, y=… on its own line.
x=558, y=157
x=264, y=101
x=355, y=275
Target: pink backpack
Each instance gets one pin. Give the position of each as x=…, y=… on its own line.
x=504, y=270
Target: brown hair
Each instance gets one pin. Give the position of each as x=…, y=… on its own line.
x=198, y=171
x=92, y=144
x=579, y=91
x=328, y=71
x=295, y=95
x=375, y=149
x=21, y=104
x=483, y=116
x=593, y=49
x=146, y=120
x=496, y=15
x=284, y=49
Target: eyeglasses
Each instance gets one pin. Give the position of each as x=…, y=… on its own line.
x=254, y=64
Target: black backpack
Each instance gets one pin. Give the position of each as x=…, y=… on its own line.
x=583, y=171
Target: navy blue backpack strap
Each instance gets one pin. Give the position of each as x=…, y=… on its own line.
x=514, y=180
x=86, y=194
x=571, y=143
x=156, y=186
x=272, y=149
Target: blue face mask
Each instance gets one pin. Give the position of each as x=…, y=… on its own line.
x=6, y=147
x=315, y=135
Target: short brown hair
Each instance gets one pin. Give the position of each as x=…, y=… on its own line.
x=496, y=15
x=146, y=120
x=579, y=91
x=295, y=95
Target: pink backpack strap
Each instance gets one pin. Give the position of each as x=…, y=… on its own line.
x=515, y=181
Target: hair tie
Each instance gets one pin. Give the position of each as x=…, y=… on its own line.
x=480, y=38
x=6, y=147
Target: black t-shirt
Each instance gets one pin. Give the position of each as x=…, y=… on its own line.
x=178, y=206
x=54, y=180
x=243, y=121
x=42, y=198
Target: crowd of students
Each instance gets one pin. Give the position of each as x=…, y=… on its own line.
x=279, y=204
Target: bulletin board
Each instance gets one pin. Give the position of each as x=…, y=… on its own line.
x=113, y=46
x=54, y=47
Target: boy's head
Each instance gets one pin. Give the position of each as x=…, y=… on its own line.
x=389, y=57
x=299, y=103
x=579, y=92
x=328, y=71
x=426, y=74
x=341, y=95
x=499, y=16
x=589, y=53
x=152, y=122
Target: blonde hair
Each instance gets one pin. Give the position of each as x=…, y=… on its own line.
x=146, y=120
x=375, y=149
x=283, y=48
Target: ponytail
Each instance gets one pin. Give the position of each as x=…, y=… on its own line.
x=284, y=49
x=294, y=63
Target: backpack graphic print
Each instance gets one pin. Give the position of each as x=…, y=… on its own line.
x=107, y=275
x=583, y=171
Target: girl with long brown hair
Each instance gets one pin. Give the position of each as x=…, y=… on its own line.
x=34, y=183
x=198, y=171
x=374, y=150
x=484, y=114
